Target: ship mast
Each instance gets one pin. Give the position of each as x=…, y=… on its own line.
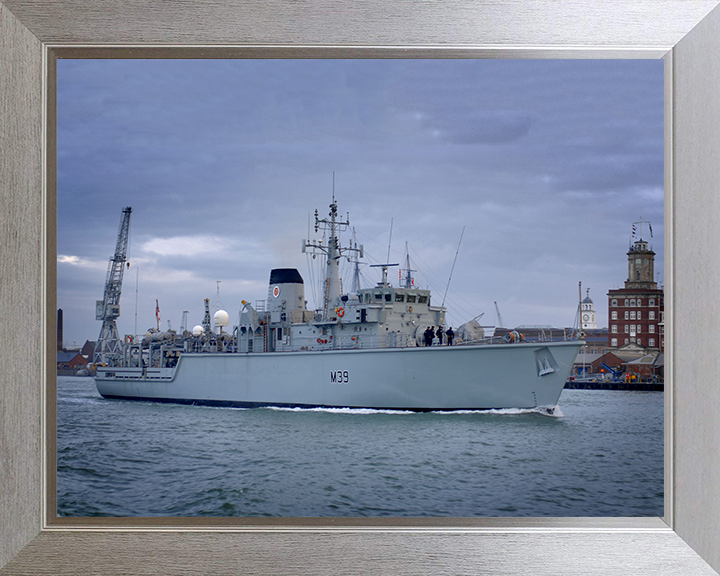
x=333, y=252
x=409, y=280
x=356, y=270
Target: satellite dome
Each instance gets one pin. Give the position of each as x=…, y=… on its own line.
x=197, y=331
x=221, y=318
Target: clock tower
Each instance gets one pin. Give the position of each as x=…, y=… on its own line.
x=587, y=311
x=636, y=313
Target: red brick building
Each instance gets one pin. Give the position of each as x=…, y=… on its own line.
x=636, y=312
x=70, y=360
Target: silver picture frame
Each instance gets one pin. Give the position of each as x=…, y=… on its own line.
x=685, y=33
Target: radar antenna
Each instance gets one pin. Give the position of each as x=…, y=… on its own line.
x=108, y=349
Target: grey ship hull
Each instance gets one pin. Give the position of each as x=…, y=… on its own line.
x=522, y=375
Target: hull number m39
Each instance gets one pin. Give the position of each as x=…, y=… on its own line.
x=339, y=376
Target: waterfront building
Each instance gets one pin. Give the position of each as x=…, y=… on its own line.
x=596, y=341
x=587, y=319
x=636, y=312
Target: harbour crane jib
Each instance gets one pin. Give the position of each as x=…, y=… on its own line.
x=108, y=349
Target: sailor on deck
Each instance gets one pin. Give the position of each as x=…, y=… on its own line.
x=450, y=335
x=429, y=331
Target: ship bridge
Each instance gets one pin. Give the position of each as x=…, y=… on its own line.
x=390, y=295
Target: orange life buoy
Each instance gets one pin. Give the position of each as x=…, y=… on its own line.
x=410, y=309
x=340, y=312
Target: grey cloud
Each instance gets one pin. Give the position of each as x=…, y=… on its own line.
x=545, y=162
x=480, y=127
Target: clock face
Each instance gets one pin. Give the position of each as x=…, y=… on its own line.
x=586, y=317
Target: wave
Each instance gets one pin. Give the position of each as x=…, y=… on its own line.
x=80, y=399
x=551, y=411
x=340, y=410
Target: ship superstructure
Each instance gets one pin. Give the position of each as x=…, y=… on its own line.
x=363, y=349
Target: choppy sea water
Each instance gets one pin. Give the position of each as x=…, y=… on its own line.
x=600, y=455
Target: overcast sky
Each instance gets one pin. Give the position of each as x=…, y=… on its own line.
x=546, y=163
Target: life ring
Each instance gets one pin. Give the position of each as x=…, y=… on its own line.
x=340, y=312
x=410, y=309
x=319, y=340
x=128, y=339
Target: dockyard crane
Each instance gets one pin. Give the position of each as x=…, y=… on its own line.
x=499, y=318
x=108, y=349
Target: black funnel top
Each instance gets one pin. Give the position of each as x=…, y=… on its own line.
x=285, y=276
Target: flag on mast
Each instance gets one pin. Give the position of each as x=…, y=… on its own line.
x=650, y=226
x=157, y=313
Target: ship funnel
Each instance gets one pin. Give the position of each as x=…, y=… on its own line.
x=287, y=291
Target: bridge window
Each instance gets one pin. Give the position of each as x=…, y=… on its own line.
x=422, y=299
x=388, y=297
x=411, y=297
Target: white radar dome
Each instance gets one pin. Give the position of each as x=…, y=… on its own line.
x=197, y=331
x=221, y=318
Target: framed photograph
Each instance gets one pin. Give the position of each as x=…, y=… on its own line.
x=36, y=541
x=481, y=184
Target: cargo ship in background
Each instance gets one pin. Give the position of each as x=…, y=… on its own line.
x=365, y=349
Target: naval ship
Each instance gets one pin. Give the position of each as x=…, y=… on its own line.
x=366, y=349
